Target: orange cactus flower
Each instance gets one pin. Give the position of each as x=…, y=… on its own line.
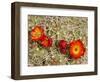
x=46, y=41
x=76, y=49
x=37, y=33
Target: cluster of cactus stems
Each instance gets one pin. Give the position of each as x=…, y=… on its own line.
x=59, y=37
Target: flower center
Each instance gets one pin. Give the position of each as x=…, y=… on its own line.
x=38, y=34
x=76, y=49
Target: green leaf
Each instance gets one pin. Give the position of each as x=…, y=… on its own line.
x=56, y=42
x=67, y=54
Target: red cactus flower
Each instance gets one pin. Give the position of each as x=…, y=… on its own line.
x=76, y=49
x=37, y=33
x=63, y=50
x=62, y=44
x=46, y=41
x=43, y=37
